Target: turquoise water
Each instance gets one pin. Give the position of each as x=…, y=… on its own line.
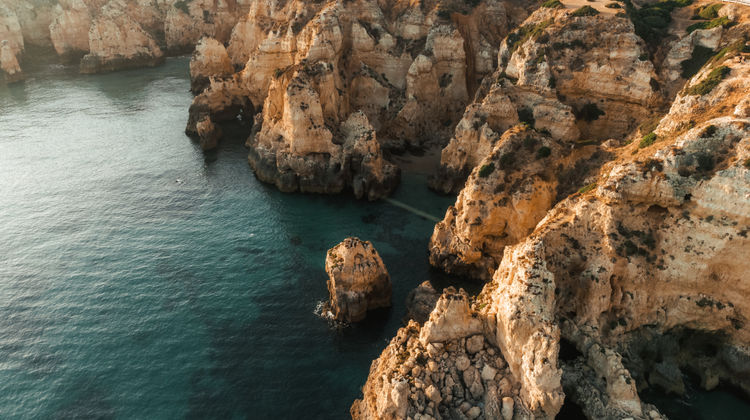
x=140, y=278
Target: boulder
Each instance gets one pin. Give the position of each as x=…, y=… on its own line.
x=357, y=280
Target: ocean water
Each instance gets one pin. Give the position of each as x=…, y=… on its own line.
x=142, y=278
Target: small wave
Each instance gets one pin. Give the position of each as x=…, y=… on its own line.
x=322, y=310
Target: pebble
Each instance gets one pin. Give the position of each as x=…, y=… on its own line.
x=475, y=344
x=474, y=412
x=462, y=363
x=488, y=373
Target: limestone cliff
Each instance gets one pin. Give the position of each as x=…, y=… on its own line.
x=569, y=75
x=117, y=34
x=626, y=278
x=210, y=59
x=358, y=281
x=309, y=66
x=11, y=45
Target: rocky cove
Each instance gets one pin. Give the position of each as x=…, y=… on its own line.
x=599, y=153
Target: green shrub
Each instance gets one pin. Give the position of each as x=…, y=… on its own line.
x=746, y=164
x=585, y=11
x=183, y=6
x=708, y=132
x=587, y=188
x=278, y=73
x=722, y=21
x=651, y=20
x=705, y=162
x=656, y=21
x=543, y=152
x=613, y=6
x=552, y=4
x=647, y=140
x=710, y=82
x=507, y=160
x=526, y=115
x=643, y=57
x=525, y=33
x=486, y=170
x=529, y=143
x=699, y=57
x=709, y=12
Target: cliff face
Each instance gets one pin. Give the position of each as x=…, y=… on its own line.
x=11, y=45
x=309, y=66
x=628, y=283
x=572, y=76
x=109, y=35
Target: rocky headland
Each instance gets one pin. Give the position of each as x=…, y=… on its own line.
x=600, y=153
x=608, y=213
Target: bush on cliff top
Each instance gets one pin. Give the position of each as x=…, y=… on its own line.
x=543, y=152
x=722, y=21
x=585, y=11
x=709, y=12
x=699, y=57
x=651, y=20
x=710, y=82
x=647, y=140
x=524, y=33
x=183, y=6
x=552, y=4
x=486, y=170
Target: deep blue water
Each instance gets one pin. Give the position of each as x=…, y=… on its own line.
x=140, y=278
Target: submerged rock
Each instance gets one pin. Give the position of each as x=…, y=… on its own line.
x=357, y=280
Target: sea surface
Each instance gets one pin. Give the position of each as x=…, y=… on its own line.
x=141, y=278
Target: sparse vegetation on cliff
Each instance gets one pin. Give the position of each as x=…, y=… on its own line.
x=713, y=23
x=486, y=170
x=647, y=140
x=709, y=82
x=585, y=11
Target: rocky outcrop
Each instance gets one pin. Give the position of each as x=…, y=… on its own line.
x=357, y=280
x=420, y=302
x=223, y=100
x=69, y=29
x=117, y=41
x=210, y=59
x=296, y=151
x=574, y=77
x=623, y=284
x=507, y=194
x=409, y=70
x=444, y=369
x=11, y=46
x=109, y=35
x=9, y=67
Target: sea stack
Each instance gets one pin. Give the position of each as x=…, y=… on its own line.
x=357, y=280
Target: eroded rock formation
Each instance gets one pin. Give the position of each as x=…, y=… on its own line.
x=357, y=280
x=310, y=66
x=574, y=77
x=445, y=369
x=109, y=35
x=634, y=272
